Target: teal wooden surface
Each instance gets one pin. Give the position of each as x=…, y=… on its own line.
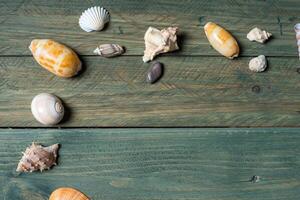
x=24, y=20
x=121, y=164
x=200, y=88
x=193, y=92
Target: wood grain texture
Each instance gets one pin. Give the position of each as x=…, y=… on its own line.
x=23, y=20
x=123, y=164
x=194, y=91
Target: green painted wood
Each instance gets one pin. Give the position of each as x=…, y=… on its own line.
x=194, y=91
x=123, y=164
x=23, y=20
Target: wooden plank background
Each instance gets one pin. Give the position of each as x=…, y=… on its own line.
x=160, y=164
x=24, y=20
x=193, y=92
x=199, y=88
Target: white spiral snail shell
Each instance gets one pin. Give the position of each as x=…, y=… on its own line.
x=47, y=109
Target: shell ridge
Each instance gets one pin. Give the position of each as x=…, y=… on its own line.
x=94, y=19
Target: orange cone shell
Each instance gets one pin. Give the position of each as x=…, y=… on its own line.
x=65, y=193
x=55, y=57
x=222, y=40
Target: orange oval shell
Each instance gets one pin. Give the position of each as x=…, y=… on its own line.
x=222, y=40
x=55, y=57
x=65, y=193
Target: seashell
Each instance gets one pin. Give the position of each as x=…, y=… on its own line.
x=37, y=157
x=55, y=57
x=109, y=50
x=158, y=42
x=94, y=19
x=65, y=193
x=258, y=64
x=221, y=40
x=297, y=30
x=258, y=35
x=47, y=109
x=155, y=72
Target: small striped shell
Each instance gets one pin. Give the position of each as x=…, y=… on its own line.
x=109, y=50
x=221, y=40
x=65, y=193
x=55, y=57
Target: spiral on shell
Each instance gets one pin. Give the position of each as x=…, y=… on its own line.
x=47, y=109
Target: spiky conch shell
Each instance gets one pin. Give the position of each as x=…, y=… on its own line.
x=65, y=193
x=159, y=41
x=37, y=157
x=94, y=19
x=258, y=35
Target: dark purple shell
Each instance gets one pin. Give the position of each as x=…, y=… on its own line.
x=155, y=72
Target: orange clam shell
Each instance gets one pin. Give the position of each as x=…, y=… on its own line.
x=66, y=193
x=55, y=57
x=221, y=40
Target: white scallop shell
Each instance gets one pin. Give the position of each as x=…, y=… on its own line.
x=47, y=109
x=94, y=19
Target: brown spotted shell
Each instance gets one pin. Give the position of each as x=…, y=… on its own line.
x=37, y=157
x=65, y=193
x=55, y=57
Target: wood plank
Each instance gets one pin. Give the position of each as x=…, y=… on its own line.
x=165, y=164
x=194, y=91
x=23, y=20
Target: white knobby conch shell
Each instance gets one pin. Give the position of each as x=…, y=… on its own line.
x=94, y=19
x=65, y=193
x=37, y=157
x=258, y=64
x=297, y=30
x=47, y=109
x=158, y=42
x=258, y=35
x=221, y=40
x=109, y=50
